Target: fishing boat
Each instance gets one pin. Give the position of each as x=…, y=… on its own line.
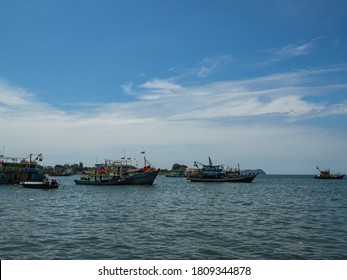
x=325, y=174
x=45, y=184
x=120, y=172
x=216, y=173
x=14, y=170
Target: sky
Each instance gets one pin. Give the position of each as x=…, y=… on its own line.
x=262, y=84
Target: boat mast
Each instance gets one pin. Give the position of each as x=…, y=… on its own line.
x=210, y=161
x=144, y=158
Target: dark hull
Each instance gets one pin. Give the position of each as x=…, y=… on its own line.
x=339, y=177
x=39, y=186
x=10, y=182
x=101, y=183
x=138, y=179
x=18, y=177
x=240, y=179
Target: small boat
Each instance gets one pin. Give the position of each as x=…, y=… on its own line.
x=216, y=173
x=325, y=174
x=120, y=172
x=45, y=184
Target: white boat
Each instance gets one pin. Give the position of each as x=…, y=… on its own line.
x=45, y=184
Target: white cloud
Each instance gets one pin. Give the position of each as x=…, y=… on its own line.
x=21, y=102
x=127, y=88
x=157, y=88
x=295, y=50
x=228, y=120
x=209, y=65
x=292, y=50
x=282, y=95
x=160, y=85
x=13, y=97
x=204, y=68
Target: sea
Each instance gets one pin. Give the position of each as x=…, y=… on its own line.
x=276, y=217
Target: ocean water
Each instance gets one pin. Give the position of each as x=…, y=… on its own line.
x=275, y=217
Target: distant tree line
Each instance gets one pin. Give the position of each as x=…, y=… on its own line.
x=178, y=167
x=70, y=168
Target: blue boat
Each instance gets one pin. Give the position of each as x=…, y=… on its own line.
x=14, y=170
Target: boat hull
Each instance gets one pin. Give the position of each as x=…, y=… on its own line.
x=338, y=177
x=239, y=179
x=39, y=185
x=137, y=179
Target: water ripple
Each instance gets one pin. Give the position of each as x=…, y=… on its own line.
x=275, y=217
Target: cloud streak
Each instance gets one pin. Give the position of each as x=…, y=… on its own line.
x=284, y=95
x=209, y=65
x=256, y=122
x=293, y=50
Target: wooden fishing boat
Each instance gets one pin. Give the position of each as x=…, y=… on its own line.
x=217, y=174
x=326, y=174
x=14, y=170
x=120, y=172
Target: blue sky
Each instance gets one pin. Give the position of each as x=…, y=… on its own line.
x=260, y=83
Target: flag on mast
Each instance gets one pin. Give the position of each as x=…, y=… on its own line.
x=142, y=152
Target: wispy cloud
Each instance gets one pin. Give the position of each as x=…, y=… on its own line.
x=10, y=100
x=336, y=41
x=281, y=94
x=293, y=50
x=20, y=101
x=209, y=65
x=157, y=88
x=177, y=121
x=206, y=67
x=158, y=85
x=289, y=51
x=127, y=88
